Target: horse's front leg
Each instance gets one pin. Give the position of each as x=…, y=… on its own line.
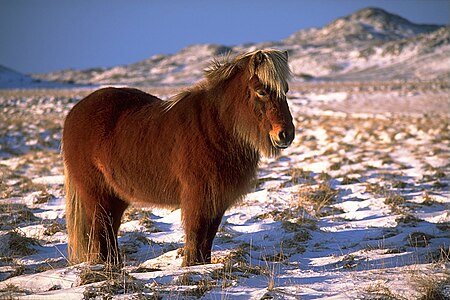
x=200, y=229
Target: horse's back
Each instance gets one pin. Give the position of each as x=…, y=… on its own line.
x=92, y=120
x=101, y=110
x=110, y=102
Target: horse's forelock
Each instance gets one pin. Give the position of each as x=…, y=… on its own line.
x=270, y=66
x=273, y=71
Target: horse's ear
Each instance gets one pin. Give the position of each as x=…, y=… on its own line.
x=258, y=59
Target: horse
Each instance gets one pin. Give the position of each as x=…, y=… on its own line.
x=197, y=151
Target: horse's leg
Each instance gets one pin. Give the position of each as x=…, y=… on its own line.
x=103, y=215
x=210, y=235
x=200, y=230
x=110, y=216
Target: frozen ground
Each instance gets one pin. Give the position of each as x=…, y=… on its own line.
x=357, y=208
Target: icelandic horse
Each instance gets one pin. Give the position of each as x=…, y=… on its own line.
x=198, y=151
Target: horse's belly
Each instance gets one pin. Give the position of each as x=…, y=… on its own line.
x=134, y=186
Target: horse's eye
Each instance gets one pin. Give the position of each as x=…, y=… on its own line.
x=261, y=93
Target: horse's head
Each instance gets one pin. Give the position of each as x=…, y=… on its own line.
x=256, y=87
x=267, y=88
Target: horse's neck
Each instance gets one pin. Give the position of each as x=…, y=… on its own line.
x=231, y=107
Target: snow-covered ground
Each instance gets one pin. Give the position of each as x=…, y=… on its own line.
x=357, y=208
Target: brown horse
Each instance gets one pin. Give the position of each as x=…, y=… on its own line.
x=198, y=151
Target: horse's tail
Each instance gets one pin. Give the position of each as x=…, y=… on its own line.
x=77, y=227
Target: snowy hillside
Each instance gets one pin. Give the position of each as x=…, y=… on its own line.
x=10, y=79
x=184, y=67
x=370, y=44
x=365, y=25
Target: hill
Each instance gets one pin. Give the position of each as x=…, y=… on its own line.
x=370, y=44
x=10, y=79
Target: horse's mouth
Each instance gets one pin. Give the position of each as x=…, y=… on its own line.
x=280, y=144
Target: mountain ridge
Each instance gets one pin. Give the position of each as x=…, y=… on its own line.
x=370, y=44
x=364, y=25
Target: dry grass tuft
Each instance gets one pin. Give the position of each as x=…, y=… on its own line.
x=12, y=215
x=396, y=202
x=199, y=286
x=11, y=292
x=316, y=198
x=142, y=215
x=114, y=281
x=299, y=175
x=349, y=180
x=375, y=188
x=380, y=292
x=408, y=219
x=419, y=239
x=15, y=243
x=445, y=226
x=433, y=287
x=53, y=228
x=440, y=255
x=299, y=224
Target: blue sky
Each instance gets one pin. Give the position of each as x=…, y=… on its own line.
x=50, y=35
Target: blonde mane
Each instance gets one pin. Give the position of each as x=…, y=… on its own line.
x=272, y=71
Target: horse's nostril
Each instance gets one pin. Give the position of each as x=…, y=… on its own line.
x=285, y=136
x=282, y=139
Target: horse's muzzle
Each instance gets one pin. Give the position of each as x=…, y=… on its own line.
x=283, y=138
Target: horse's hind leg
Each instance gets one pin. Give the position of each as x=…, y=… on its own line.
x=101, y=215
x=108, y=223
x=105, y=226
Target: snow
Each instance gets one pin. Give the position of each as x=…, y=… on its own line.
x=274, y=243
x=56, y=179
x=337, y=96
